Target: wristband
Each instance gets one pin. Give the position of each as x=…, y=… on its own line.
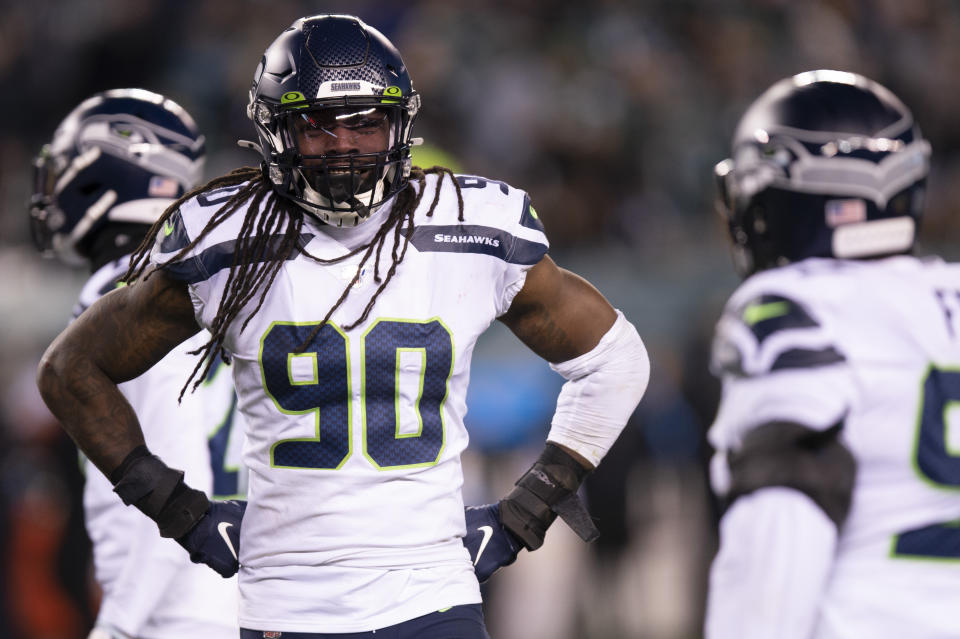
x=158, y=491
x=548, y=489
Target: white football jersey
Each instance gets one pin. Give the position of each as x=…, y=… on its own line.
x=355, y=515
x=874, y=345
x=151, y=589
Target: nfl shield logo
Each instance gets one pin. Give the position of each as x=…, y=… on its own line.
x=271, y=634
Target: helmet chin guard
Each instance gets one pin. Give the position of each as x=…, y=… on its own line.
x=354, y=210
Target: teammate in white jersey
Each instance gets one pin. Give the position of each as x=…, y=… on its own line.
x=114, y=164
x=836, y=437
x=349, y=289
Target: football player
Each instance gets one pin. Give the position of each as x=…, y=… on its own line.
x=836, y=437
x=349, y=289
x=114, y=164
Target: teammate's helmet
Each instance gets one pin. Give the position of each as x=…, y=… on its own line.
x=329, y=62
x=824, y=164
x=121, y=156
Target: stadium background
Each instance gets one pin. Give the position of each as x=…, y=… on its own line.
x=610, y=114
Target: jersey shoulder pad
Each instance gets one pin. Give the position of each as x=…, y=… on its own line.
x=767, y=328
x=192, y=217
x=498, y=202
x=487, y=201
x=188, y=255
x=497, y=220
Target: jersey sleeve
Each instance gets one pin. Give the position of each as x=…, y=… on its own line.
x=498, y=221
x=513, y=232
x=211, y=252
x=779, y=361
x=527, y=245
x=189, y=267
x=186, y=253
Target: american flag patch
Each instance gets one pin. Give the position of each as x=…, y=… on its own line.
x=271, y=634
x=845, y=211
x=162, y=187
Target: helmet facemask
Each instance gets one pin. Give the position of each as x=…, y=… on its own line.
x=362, y=164
x=341, y=159
x=332, y=75
x=45, y=216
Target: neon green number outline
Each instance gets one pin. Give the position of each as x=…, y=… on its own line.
x=423, y=369
x=915, y=457
x=953, y=452
x=316, y=371
x=316, y=411
x=915, y=463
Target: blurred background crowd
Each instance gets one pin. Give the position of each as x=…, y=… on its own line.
x=610, y=113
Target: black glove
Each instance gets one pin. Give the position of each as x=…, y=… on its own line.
x=548, y=489
x=490, y=545
x=144, y=481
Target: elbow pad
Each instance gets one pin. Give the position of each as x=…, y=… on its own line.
x=602, y=390
x=813, y=462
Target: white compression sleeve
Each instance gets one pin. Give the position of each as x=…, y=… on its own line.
x=767, y=580
x=603, y=388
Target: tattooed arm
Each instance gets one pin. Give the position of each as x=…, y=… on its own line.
x=565, y=320
x=558, y=314
x=117, y=339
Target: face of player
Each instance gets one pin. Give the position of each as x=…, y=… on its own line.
x=343, y=144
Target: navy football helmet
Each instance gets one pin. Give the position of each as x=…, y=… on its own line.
x=121, y=156
x=333, y=68
x=824, y=164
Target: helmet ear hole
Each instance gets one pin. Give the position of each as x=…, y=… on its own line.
x=907, y=202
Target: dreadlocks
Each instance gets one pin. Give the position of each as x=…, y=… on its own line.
x=266, y=241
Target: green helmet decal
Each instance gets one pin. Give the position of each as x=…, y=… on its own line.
x=291, y=96
x=391, y=91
